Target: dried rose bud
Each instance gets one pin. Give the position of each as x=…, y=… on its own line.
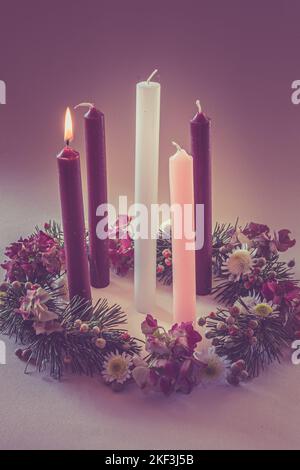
x=250, y=332
x=166, y=253
x=160, y=268
x=241, y=364
x=291, y=263
x=96, y=330
x=201, y=321
x=261, y=262
x=212, y=315
x=18, y=353
x=125, y=336
x=26, y=353
x=77, y=323
x=253, y=324
x=16, y=285
x=84, y=328
x=100, y=343
x=230, y=320
x=272, y=275
x=234, y=330
x=234, y=311
x=253, y=340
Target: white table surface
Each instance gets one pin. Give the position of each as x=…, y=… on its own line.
x=37, y=412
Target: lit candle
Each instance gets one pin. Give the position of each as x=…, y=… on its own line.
x=97, y=192
x=146, y=187
x=200, y=149
x=183, y=257
x=73, y=217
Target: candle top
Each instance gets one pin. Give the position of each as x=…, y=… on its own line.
x=92, y=112
x=180, y=154
x=148, y=83
x=68, y=153
x=200, y=117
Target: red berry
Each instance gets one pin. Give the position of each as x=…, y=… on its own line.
x=18, y=353
x=233, y=330
x=234, y=311
x=241, y=364
x=212, y=315
x=201, y=321
x=26, y=354
x=125, y=336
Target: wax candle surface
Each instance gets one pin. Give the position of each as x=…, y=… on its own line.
x=200, y=149
x=73, y=223
x=181, y=194
x=97, y=194
x=146, y=187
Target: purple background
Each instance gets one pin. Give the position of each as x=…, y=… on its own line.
x=238, y=57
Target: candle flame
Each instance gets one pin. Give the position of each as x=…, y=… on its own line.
x=68, y=126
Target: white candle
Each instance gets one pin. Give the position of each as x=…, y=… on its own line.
x=183, y=257
x=146, y=188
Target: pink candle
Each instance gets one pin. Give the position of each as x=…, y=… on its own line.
x=183, y=254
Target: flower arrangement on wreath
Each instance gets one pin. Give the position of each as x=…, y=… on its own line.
x=259, y=317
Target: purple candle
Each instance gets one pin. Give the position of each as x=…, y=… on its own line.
x=200, y=150
x=97, y=193
x=73, y=217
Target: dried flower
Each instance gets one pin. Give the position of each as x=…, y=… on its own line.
x=100, y=343
x=239, y=262
x=116, y=367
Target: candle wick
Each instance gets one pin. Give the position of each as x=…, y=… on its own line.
x=67, y=143
x=84, y=105
x=151, y=76
x=177, y=146
x=198, y=104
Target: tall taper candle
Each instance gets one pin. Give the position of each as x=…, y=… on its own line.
x=97, y=192
x=183, y=259
x=146, y=187
x=200, y=149
x=73, y=217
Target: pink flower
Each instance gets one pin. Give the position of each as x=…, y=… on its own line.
x=184, y=338
x=33, y=259
x=283, y=241
x=149, y=325
x=253, y=230
x=157, y=346
x=280, y=292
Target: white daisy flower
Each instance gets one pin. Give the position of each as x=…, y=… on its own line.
x=246, y=304
x=239, y=262
x=215, y=372
x=116, y=367
x=254, y=304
